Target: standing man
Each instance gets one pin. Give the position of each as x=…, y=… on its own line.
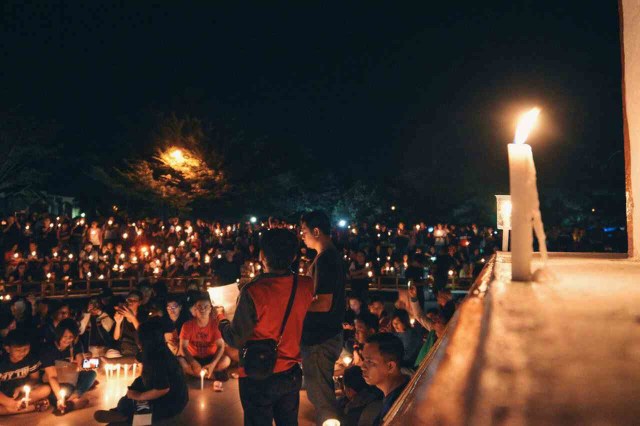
x=260, y=315
x=322, y=332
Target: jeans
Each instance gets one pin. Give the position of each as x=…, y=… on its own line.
x=274, y=398
x=318, y=362
x=85, y=381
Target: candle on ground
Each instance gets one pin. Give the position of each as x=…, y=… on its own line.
x=202, y=374
x=27, y=391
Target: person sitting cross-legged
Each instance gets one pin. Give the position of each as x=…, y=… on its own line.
x=65, y=356
x=161, y=387
x=201, y=344
x=19, y=368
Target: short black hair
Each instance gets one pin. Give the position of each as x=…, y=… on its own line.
x=369, y=320
x=17, y=338
x=403, y=316
x=374, y=299
x=175, y=298
x=389, y=345
x=353, y=379
x=135, y=293
x=201, y=297
x=64, y=325
x=317, y=219
x=280, y=247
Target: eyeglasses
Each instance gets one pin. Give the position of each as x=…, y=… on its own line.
x=202, y=308
x=133, y=300
x=173, y=307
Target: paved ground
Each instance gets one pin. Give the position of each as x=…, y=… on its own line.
x=205, y=407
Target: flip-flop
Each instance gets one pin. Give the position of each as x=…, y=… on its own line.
x=70, y=407
x=42, y=405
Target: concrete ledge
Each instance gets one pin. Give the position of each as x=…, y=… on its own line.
x=565, y=352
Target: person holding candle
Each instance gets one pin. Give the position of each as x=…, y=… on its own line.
x=20, y=368
x=162, y=384
x=59, y=360
x=201, y=343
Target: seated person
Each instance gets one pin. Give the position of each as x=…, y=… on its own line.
x=201, y=342
x=63, y=354
x=158, y=313
x=383, y=354
x=96, y=326
x=178, y=317
x=366, y=324
x=128, y=317
x=354, y=309
x=19, y=368
x=161, y=385
x=59, y=312
x=364, y=402
x=376, y=307
x=411, y=337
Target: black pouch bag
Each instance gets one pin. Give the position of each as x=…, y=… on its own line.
x=258, y=357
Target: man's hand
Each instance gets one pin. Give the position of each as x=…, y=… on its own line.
x=126, y=313
x=134, y=395
x=118, y=317
x=195, y=366
x=210, y=369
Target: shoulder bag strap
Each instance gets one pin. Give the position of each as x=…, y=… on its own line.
x=294, y=287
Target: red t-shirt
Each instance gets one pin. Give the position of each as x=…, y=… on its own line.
x=202, y=341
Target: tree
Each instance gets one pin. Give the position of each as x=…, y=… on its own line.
x=182, y=170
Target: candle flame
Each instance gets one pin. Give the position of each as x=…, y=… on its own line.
x=525, y=125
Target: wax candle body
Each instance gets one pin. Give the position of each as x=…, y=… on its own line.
x=520, y=160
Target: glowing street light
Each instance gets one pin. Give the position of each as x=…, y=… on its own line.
x=253, y=219
x=342, y=223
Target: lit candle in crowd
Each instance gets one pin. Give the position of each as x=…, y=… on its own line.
x=346, y=360
x=135, y=367
x=27, y=390
x=331, y=422
x=525, y=211
x=202, y=374
x=63, y=394
x=125, y=235
x=118, y=370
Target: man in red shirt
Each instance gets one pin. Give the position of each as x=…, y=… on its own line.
x=201, y=344
x=259, y=315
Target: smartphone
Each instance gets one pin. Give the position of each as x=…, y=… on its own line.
x=89, y=363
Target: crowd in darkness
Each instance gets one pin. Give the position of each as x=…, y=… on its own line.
x=370, y=346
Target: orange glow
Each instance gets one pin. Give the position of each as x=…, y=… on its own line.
x=525, y=125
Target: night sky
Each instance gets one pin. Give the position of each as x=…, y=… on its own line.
x=426, y=92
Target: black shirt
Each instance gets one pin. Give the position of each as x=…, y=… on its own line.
x=161, y=372
x=50, y=354
x=15, y=375
x=328, y=273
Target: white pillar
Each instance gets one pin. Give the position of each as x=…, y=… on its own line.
x=630, y=39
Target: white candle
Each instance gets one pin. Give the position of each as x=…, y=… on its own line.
x=27, y=391
x=347, y=360
x=331, y=422
x=118, y=370
x=521, y=177
x=202, y=373
x=135, y=367
x=62, y=396
x=126, y=369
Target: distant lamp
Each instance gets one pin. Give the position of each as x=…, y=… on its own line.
x=342, y=223
x=331, y=422
x=503, y=209
x=253, y=219
x=393, y=208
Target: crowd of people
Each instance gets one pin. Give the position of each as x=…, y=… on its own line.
x=324, y=334
x=294, y=320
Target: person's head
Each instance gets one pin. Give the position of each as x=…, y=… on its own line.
x=201, y=308
x=66, y=332
x=315, y=227
x=376, y=306
x=382, y=358
x=278, y=248
x=151, y=337
x=94, y=306
x=353, y=382
x=147, y=291
x=439, y=325
x=133, y=300
x=366, y=324
x=355, y=304
x=361, y=257
x=400, y=321
x=17, y=345
x=174, y=307
x=18, y=308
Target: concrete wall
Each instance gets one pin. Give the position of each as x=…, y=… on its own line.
x=630, y=39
